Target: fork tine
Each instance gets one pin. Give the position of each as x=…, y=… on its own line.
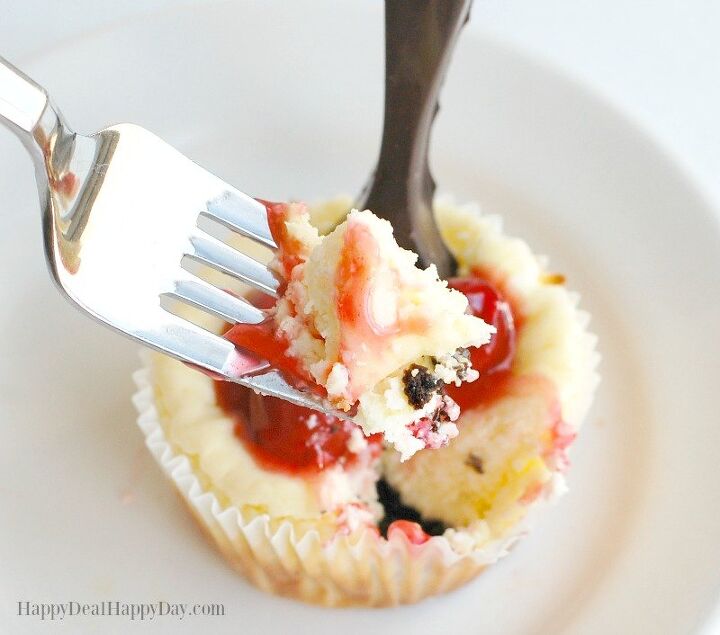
x=273, y=383
x=191, y=343
x=216, y=254
x=242, y=214
x=186, y=341
x=223, y=304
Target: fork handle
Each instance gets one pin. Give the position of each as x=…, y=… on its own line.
x=22, y=101
x=26, y=109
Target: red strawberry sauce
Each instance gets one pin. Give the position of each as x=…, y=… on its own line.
x=282, y=436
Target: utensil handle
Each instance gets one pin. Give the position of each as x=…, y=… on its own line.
x=419, y=39
x=27, y=110
x=420, y=36
x=22, y=101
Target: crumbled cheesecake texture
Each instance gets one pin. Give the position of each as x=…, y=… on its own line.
x=377, y=332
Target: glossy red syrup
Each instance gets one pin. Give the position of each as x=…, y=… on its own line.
x=284, y=437
x=487, y=303
x=412, y=530
x=358, y=260
x=262, y=340
x=494, y=359
x=291, y=251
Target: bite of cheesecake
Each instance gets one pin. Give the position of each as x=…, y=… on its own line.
x=381, y=336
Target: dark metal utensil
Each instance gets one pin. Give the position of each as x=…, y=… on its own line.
x=419, y=39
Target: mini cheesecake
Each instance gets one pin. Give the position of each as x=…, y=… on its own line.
x=377, y=334
x=306, y=506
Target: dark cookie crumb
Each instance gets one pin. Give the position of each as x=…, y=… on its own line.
x=396, y=510
x=420, y=385
x=475, y=462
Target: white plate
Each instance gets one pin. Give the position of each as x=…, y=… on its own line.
x=284, y=100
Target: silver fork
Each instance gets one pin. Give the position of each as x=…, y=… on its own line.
x=120, y=223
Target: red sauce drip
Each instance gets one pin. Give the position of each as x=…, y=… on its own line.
x=494, y=359
x=360, y=331
x=291, y=252
x=412, y=530
x=262, y=340
x=359, y=258
x=264, y=343
x=284, y=437
x=487, y=303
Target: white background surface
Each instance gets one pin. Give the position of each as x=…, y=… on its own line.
x=657, y=61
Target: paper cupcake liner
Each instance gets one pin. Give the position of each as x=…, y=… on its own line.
x=360, y=569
